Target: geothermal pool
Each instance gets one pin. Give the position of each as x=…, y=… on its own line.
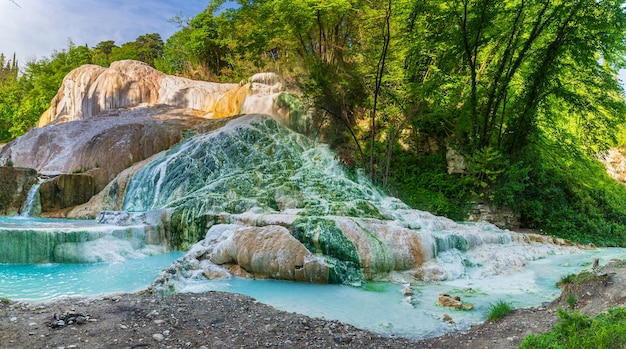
x=39, y=282
x=381, y=308
x=42, y=259
x=378, y=306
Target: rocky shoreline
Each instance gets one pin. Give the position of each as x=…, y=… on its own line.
x=226, y=320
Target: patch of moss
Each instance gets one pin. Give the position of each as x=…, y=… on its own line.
x=322, y=236
x=186, y=228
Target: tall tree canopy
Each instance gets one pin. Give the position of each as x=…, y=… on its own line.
x=526, y=91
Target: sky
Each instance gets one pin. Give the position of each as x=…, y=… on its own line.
x=34, y=29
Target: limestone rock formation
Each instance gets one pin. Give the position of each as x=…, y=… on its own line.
x=14, y=186
x=90, y=90
x=109, y=143
x=445, y=300
x=108, y=199
x=282, y=197
x=103, y=120
x=615, y=163
x=264, y=252
x=501, y=217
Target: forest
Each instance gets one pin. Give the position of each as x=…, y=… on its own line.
x=526, y=92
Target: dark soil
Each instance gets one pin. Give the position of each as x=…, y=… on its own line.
x=225, y=320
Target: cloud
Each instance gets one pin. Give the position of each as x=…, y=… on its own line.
x=39, y=27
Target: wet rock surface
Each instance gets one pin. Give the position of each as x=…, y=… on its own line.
x=14, y=185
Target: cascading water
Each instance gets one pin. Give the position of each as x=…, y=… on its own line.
x=32, y=206
x=36, y=240
x=255, y=173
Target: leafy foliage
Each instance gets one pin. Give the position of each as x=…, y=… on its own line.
x=576, y=330
x=424, y=184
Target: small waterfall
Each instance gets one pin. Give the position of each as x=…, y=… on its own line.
x=32, y=205
x=34, y=241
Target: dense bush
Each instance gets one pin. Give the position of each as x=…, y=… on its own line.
x=423, y=183
x=575, y=200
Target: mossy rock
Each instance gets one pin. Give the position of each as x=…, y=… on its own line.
x=321, y=236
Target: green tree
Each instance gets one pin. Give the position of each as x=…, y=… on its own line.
x=507, y=58
x=24, y=98
x=102, y=53
x=146, y=48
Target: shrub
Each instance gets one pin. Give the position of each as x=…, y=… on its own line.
x=568, y=279
x=578, y=331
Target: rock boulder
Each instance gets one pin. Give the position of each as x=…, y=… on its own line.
x=14, y=186
x=108, y=144
x=65, y=191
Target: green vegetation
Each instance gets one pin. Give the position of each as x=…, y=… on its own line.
x=578, y=331
x=5, y=300
x=526, y=93
x=568, y=279
x=26, y=94
x=571, y=300
x=583, y=277
x=499, y=310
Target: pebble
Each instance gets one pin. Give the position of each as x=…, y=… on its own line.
x=158, y=337
x=158, y=322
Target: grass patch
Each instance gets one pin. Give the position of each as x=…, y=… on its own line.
x=5, y=300
x=499, y=310
x=568, y=279
x=578, y=331
x=586, y=276
x=571, y=301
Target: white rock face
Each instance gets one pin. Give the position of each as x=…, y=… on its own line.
x=109, y=143
x=89, y=90
x=104, y=120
